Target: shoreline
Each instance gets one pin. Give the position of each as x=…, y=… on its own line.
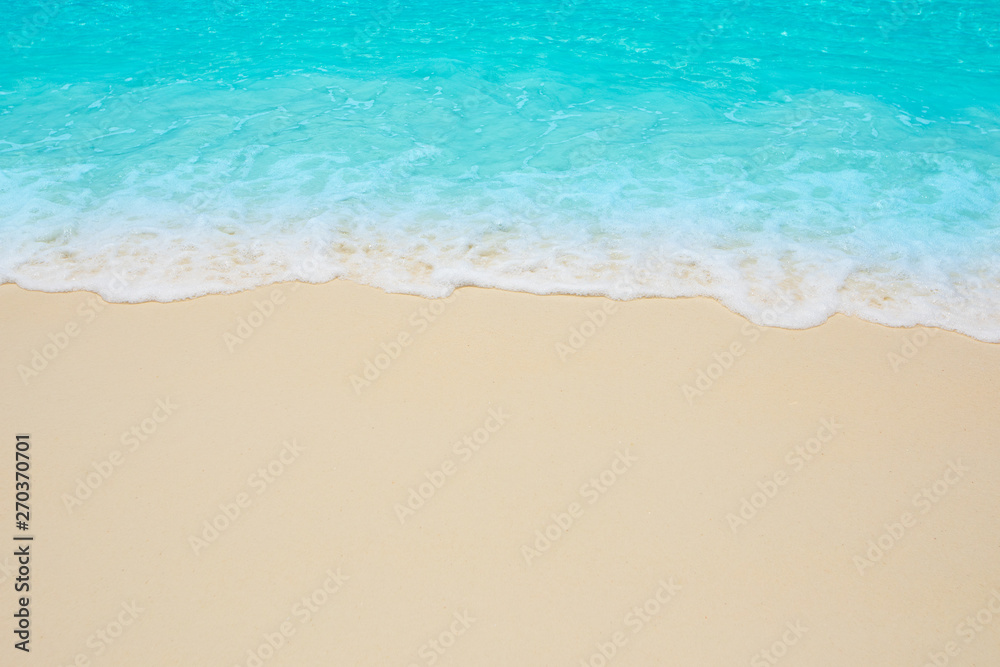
x=769, y=312
x=304, y=474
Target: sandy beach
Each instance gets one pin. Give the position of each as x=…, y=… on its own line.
x=332, y=475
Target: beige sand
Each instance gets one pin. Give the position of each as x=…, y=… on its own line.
x=828, y=496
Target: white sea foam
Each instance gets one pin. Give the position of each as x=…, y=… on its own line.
x=151, y=197
x=139, y=256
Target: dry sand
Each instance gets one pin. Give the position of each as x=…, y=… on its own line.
x=829, y=496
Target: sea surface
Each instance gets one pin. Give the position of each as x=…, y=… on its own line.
x=791, y=158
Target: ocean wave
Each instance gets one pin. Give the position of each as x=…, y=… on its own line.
x=832, y=166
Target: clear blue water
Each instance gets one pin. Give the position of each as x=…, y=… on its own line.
x=840, y=155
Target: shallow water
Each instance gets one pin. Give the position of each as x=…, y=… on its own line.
x=837, y=156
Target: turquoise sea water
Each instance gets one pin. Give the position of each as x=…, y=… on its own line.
x=843, y=156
